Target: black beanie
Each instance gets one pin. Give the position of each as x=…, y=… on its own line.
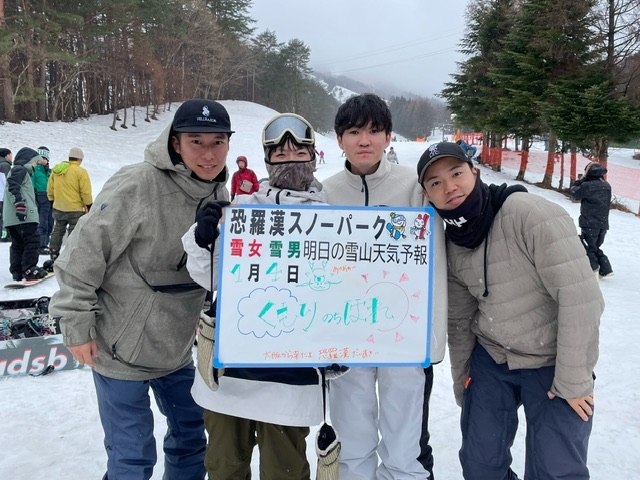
x=4, y=152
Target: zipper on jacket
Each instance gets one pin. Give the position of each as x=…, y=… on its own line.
x=365, y=190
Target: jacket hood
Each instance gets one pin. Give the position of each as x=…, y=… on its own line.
x=61, y=168
x=161, y=155
x=595, y=170
x=26, y=156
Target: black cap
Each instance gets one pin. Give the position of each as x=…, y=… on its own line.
x=199, y=115
x=438, y=151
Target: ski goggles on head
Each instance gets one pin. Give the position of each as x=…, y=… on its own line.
x=288, y=123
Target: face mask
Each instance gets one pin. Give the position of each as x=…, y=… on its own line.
x=291, y=175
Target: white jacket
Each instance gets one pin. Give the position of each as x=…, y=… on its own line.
x=282, y=396
x=397, y=186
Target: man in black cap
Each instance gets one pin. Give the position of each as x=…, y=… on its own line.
x=524, y=311
x=128, y=306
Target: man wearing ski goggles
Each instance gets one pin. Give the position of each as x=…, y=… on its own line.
x=291, y=124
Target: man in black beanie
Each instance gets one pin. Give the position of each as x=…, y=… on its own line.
x=594, y=194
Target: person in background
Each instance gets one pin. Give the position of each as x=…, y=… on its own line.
x=40, y=179
x=383, y=411
x=392, y=156
x=321, y=157
x=272, y=407
x=69, y=190
x=20, y=215
x=524, y=313
x=6, y=159
x=126, y=303
x=469, y=150
x=594, y=194
x=244, y=180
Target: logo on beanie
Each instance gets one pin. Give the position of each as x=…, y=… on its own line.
x=205, y=117
x=433, y=150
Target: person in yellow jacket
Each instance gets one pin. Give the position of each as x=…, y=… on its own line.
x=69, y=189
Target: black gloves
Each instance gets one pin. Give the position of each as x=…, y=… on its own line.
x=207, y=220
x=21, y=211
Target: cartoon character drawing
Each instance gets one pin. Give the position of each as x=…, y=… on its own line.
x=318, y=279
x=396, y=226
x=419, y=229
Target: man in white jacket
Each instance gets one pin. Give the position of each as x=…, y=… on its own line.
x=390, y=420
x=270, y=407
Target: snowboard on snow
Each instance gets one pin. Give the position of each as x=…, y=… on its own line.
x=30, y=339
x=28, y=283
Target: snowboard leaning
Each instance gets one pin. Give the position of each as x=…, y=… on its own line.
x=28, y=283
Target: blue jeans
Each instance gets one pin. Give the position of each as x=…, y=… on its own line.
x=557, y=438
x=127, y=421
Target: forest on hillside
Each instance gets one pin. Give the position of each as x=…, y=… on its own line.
x=61, y=60
x=565, y=70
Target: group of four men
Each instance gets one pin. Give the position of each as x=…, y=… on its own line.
x=523, y=309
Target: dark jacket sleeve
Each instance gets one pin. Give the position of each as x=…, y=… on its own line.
x=14, y=182
x=595, y=197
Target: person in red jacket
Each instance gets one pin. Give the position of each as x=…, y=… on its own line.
x=244, y=180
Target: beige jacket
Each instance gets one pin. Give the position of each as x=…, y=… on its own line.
x=544, y=303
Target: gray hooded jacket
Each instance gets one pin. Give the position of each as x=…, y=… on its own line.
x=122, y=275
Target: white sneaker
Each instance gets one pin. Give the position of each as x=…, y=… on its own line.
x=610, y=274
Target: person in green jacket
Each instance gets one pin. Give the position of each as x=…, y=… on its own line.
x=40, y=179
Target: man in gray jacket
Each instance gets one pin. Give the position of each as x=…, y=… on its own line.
x=523, y=321
x=383, y=411
x=129, y=308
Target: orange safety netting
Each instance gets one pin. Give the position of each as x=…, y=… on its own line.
x=624, y=180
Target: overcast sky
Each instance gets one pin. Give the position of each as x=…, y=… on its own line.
x=408, y=43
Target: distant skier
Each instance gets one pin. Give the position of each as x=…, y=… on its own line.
x=392, y=156
x=594, y=193
x=470, y=150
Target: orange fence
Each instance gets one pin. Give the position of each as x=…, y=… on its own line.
x=625, y=181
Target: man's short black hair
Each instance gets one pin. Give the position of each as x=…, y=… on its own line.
x=359, y=110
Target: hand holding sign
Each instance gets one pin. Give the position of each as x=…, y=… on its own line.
x=207, y=220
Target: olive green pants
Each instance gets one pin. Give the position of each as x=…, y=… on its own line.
x=231, y=442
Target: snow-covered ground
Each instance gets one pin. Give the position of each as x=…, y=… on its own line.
x=51, y=427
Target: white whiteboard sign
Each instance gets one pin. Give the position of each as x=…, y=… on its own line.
x=312, y=286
